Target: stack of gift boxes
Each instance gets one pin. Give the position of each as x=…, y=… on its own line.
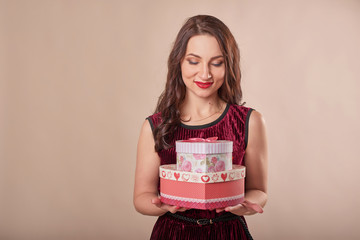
x=203, y=176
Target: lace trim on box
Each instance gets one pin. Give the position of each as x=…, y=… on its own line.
x=196, y=200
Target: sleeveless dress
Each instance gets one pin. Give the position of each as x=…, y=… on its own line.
x=232, y=125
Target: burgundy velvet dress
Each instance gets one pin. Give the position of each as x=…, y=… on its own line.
x=231, y=125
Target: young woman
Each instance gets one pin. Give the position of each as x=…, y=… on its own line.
x=202, y=99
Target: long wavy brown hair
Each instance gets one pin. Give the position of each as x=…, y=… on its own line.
x=174, y=94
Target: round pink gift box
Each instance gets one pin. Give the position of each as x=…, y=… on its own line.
x=202, y=190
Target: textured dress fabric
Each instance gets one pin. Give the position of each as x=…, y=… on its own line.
x=232, y=125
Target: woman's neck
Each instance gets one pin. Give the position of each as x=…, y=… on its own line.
x=201, y=110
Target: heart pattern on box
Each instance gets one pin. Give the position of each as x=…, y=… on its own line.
x=231, y=176
x=170, y=172
x=205, y=178
x=185, y=177
x=177, y=175
x=195, y=178
x=215, y=177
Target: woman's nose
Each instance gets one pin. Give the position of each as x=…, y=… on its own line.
x=205, y=73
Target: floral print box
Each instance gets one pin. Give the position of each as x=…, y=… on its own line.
x=204, y=155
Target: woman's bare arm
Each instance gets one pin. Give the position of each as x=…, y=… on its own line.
x=146, y=199
x=256, y=162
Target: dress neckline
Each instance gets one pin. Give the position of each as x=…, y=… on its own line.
x=207, y=124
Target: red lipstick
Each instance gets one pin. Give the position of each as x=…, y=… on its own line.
x=203, y=85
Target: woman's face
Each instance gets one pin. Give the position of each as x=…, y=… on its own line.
x=203, y=67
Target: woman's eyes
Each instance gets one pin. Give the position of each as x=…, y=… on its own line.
x=192, y=62
x=216, y=64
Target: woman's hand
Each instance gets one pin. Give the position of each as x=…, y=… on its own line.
x=166, y=207
x=244, y=208
x=256, y=158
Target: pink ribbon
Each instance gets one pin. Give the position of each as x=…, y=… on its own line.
x=210, y=139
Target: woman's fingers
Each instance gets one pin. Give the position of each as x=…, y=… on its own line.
x=253, y=206
x=220, y=210
x=182, y=209
x=237, y=209
x=156, y=202
x=174, y=209
x=245, y=208
x=170, y=208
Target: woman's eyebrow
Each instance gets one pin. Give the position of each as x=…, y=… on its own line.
x=197, y=56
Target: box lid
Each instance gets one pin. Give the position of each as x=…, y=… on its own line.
x=203, y=147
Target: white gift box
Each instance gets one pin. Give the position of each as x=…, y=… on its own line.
x=202, y=155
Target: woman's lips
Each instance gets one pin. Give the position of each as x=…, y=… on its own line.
x=203, y=84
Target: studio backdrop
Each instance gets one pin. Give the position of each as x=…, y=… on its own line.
x=78, y=78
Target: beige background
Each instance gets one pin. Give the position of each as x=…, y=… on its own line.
x=78, y=79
